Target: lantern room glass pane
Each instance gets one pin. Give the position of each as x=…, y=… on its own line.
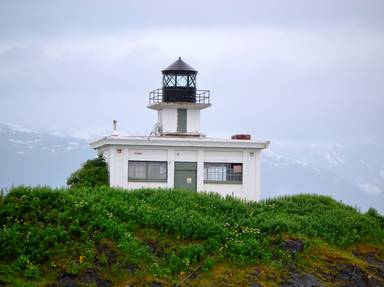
x=182, y=80
x=192, y=81
x=169, y=80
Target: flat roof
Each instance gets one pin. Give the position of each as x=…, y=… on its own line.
x=178, y=141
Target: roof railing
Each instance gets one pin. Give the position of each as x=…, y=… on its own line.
x=202, y=97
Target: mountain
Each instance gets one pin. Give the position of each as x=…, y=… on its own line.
x=34, y=158
x=352, y=172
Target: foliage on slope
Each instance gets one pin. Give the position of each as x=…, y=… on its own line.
x=114, y=236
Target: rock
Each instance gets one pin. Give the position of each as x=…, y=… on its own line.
x=354, y=275
x=156, y=284
x=377, y=265
x=194, y=275
x=297, y=280
x=90, y=277
x=131, y=268
x=293, y=245
x=255, y=273
x=66, y=280
x=255, y=284
x=156, y=248
x=102, y=283
x=104, y=249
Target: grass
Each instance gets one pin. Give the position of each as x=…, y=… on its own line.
x=167, y=234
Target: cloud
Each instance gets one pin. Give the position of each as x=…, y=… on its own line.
x=44, y=18
x=369, y=187
x=317, y=77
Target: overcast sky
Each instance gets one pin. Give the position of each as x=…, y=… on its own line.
x=288, y=70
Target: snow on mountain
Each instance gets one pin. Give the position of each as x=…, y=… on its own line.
x=349, y=171
x=36, y=158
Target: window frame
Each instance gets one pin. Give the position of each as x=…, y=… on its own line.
x=147, y=167
x=169, y=78
x=182, y=120
x=228, y=172
x=192, y=81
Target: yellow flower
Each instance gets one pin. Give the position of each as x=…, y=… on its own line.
x=81, y=259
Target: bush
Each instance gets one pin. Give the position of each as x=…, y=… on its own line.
x=93, y=173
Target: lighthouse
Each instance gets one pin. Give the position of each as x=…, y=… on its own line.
x=176, y=154
x=178, y=103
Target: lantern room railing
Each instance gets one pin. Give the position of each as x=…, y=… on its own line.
x=202, y=97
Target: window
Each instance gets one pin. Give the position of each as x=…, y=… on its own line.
x=147, y=171
x=223, y=172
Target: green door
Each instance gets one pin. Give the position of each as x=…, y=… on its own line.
x=182, y=120
x=185, y=175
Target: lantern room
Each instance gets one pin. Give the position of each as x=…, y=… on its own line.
x=179, y=82
x=178, y=102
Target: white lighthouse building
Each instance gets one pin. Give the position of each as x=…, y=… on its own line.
x=176, y=154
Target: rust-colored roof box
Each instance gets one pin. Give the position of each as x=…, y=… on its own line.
x=241, y=137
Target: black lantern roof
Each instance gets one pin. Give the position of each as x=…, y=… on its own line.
x=179, y=67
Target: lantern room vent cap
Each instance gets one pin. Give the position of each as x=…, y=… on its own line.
x=179, y=66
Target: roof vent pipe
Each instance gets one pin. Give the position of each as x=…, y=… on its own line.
x=114, y=131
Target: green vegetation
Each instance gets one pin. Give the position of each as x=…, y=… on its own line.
x=169, y=235
x=94, y=172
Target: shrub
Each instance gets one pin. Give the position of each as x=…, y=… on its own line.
x=94, y=172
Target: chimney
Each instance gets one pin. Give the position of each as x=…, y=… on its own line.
x=241, y=137
x=114, y=131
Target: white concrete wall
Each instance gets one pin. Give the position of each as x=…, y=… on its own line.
x=223, y=156
x=193, y=121
x=118, y=166
x=167, y=119
x=249, y=189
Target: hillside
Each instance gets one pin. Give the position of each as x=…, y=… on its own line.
x=110, y=237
